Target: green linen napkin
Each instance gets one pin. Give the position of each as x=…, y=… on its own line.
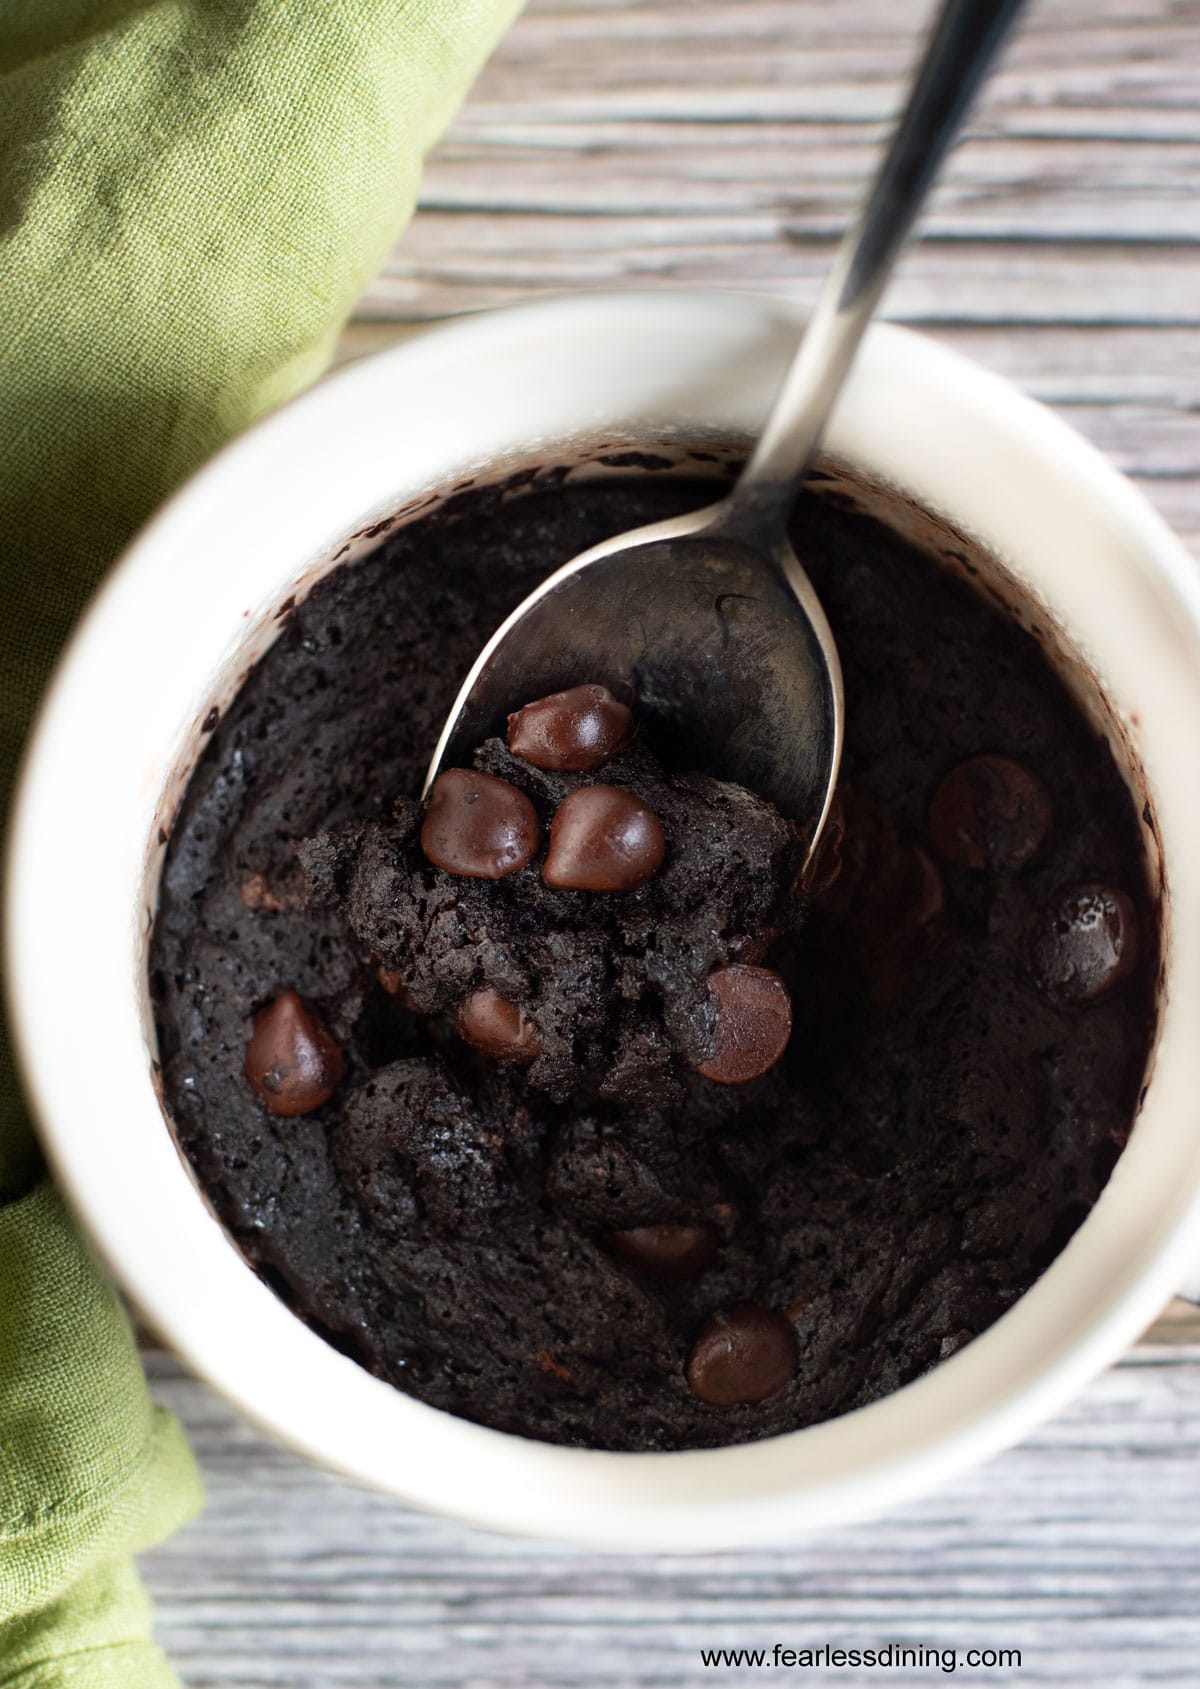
x=193, y=193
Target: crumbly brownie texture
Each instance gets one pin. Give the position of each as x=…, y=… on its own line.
x=613, y=985
x=595, y=1243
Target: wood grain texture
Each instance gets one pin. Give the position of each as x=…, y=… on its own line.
x=1081, y=1548
x=723, y=143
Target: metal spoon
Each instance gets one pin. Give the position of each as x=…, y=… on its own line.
x=707, y=621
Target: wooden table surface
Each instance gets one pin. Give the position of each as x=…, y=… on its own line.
x=722, y=143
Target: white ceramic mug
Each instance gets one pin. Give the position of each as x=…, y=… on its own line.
x=192, y=602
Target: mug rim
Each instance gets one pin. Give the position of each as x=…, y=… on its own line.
x=234, y=1331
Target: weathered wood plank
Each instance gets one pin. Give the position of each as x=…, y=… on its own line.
x=1098, y=189
x=825, y=60
x=680, y=110
x=1081, y=1548
x=451, y=262
x=670, y=142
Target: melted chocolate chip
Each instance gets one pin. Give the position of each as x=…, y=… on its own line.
x=825, y=863
x=989, y=812
x=603, y=838
x=497, y=1027
x=572, y=731
x=927, y=895
x=886, y=884
x=666, y=1255
x=292, y=1063
x=478, y=826
x=754, y=1023
x=742, y=1358
x=1085, y=942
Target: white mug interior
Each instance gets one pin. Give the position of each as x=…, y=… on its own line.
x=950, y=453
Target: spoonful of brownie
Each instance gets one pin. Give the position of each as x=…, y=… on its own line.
x=706, y=623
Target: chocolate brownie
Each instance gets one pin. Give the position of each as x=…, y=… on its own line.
x=649, y=1145
x=612, y=986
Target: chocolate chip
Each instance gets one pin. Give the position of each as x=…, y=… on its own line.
x=478, y=826
x=754, y=1023
x=292, y=1063
x=883, y=879
x=989, y=812
x=742, y=1357
x=1085, y=942
x=497, y=1027
x=572, y=731
x=886, y=897
x=603, y=838
x=666, y=1255
x=825, y=864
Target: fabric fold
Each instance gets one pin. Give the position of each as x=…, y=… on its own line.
x=97, y=1635
x=193, y=194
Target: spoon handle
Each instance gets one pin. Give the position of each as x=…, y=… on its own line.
x=965, y=39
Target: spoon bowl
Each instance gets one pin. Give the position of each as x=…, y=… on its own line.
x=706, y=623
x=725, y=654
